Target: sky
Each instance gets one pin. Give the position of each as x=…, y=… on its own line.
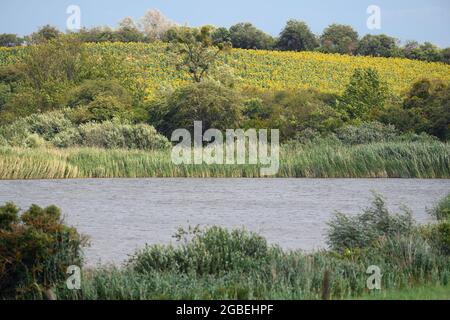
x=420, y=20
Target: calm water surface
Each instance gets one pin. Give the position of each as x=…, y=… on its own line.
x=123, y=215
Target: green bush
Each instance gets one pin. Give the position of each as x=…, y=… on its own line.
x=100, y=100
x=442, y=210
x=35, y=250
x=110, y=135
x=218, y=106
x=367, y=132
x=46, y=126
x=362, y=231
x=213, y=251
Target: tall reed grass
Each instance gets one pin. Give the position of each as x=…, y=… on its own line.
x=323, y=160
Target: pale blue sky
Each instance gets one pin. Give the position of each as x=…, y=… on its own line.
x=421, y=20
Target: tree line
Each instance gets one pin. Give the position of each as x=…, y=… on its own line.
x=296, y=36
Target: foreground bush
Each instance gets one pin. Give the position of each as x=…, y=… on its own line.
x=35, y=250
x=362, y=231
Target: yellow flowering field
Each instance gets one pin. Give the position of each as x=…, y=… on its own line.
x=145, y=68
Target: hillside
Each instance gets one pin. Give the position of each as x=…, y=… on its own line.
x=146, y=66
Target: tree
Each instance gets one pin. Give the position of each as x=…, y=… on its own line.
x=221, y=35
x=364, y=94
x=430, y=52
x=338, y=38
x=44, y=34
x=218, y=106
x=446, y=55
x=195, y=52
x=10, y=40
x=377, y=46
x=246, y=36
x=154, y=24
x=429, y=101
x=297, y=36
x=128, y=31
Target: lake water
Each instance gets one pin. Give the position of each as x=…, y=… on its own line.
x=123, y=215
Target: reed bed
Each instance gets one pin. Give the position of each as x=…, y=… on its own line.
x=378, y=160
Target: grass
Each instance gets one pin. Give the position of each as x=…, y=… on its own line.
x=416, y=293
x=380, y=160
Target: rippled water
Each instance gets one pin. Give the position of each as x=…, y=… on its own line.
x=123, y=215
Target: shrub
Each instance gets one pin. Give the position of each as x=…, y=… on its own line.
x=219, y=107
x=213, y=251
x=35, y=250
x=111, y=135
x=442, y=210
x=361, y=231
x=367, y=132
x=428, y=106
x=67, y=138
x=29, y=130
x=100, y=100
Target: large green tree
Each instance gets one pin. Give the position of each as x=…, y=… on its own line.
x=377, y=46
x=247, y=36
x=338, y=38
x=297, y=36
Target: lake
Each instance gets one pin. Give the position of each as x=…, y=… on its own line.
x=123, y=215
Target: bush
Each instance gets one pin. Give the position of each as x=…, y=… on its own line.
x=67, y=138
x=218, y=106
x=214, y=251
x=361, y=231
x=37, y=128
x=442, y=210
x=367, y=132
x=100, y=100
x=428, y=106
x=35, y=251
x=111, y=135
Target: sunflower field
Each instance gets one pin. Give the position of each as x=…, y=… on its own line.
x=146, y=68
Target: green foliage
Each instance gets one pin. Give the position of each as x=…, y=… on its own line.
x=110, y=135
x=429, y=103
x=247, y=36
x=44, y=34
x=10, y=40
x=292, y=112
x=35, y=250
x=367, y=132
x=297, y=36
x=364, y=96
x=195, y=51
x=362, y=231
x=212, y=251
x=339, y=38
x=100, y=100
x=442, y=210
x=378, y=46
x=218, y=106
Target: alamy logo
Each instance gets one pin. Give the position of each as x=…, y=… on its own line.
x=73, y=282
x=374, y=281
x=374, y=20
x=239, y=147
